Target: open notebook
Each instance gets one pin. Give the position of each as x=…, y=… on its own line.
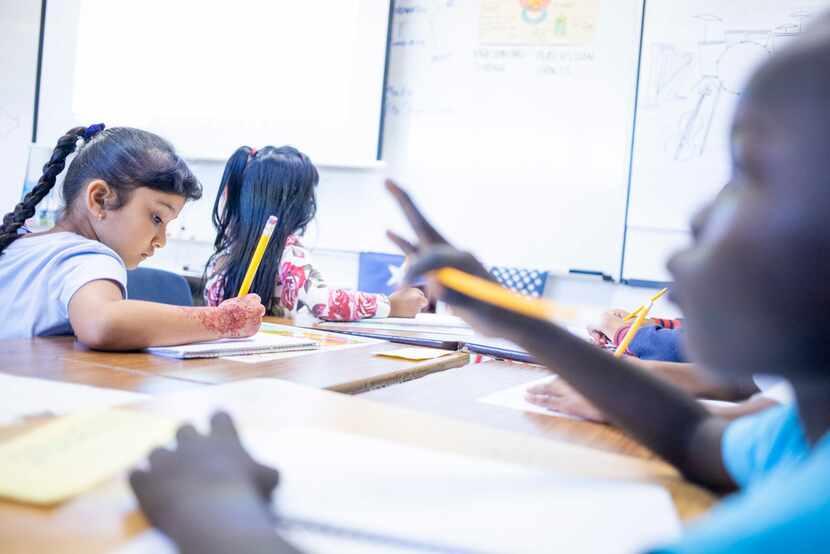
x=345, y=494
x=260, y=343
x=430, y=323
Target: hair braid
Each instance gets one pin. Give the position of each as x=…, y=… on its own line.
x=26, y=208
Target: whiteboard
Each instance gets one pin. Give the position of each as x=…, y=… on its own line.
x=697, y=56
x=19, y=22
x=213, y=75
x=512, y=126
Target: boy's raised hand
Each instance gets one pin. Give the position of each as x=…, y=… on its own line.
x=432, y=252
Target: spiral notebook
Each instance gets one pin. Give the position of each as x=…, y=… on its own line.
x=261, y=343
x=344, y=494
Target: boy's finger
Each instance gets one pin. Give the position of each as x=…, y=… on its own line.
x=222, y=424
x=406, y=247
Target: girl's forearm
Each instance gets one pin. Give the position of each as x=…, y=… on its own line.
x=133, y=325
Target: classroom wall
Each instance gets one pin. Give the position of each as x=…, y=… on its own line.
x=19, y=31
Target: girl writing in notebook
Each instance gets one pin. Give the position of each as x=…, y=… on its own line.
x=121, y=190
x=282, y=182
x=753, y=286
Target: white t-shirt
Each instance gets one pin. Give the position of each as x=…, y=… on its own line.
x=40, y=274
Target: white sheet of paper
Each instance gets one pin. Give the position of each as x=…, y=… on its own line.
x=514, y=398
x=22, y=397
x=410, y=493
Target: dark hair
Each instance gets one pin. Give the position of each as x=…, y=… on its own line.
x=125, y=158
x=271, y=181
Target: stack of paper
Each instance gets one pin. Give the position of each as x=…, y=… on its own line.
x=67, y=456
x=23, y=397
x=341, y=493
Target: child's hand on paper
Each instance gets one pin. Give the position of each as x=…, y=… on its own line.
x=407, y=302
x=240, y=317
x=206, y=489
x=559, y=396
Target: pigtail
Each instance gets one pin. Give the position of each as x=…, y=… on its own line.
x=26, y=208
x=232, y=183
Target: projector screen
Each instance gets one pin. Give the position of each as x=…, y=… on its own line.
x=211, y=76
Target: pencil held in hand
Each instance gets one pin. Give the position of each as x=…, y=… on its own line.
x=652, y=300
x=641, y=317
x=267, y=231
x=491, y=293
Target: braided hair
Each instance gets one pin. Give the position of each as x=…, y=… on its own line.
x=124, y=157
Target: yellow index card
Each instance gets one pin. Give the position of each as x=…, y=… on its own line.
x=415, y=353
x=72, y=454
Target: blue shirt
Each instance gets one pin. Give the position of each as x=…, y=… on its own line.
x=653, y=342
x=40, y=274
x=784, y=505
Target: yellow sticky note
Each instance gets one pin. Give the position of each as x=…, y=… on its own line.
x=415, y=353
x=72, y=454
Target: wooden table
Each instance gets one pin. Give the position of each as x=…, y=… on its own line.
x=454, y=393
x=106, y=517
x=350, y=371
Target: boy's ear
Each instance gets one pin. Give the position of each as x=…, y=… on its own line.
x=99, y=198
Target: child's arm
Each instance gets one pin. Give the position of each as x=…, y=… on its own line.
x=209, y=496
x=699, y=381
x=103, y=320
x=301, y=284
x=663, y=417
x=660, y=415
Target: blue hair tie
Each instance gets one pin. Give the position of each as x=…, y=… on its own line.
x=93, y=130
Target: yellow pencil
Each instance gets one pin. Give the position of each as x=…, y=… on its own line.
x=653, y=299
x=267, y=231
x=487, y=291
x=641, y=317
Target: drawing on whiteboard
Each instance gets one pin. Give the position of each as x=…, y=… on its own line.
x=534, y=11
x=537, y=22
x=695, y=82
x=8, y=123
x=420, y=41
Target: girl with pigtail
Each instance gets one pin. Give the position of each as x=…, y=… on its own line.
x=121, y=190
x=281, y=181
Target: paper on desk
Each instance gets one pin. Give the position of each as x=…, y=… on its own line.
x=327, y=342
x=69, y=455
x=373, y=489
x=415, y=353
x=514, y=398
x=22, y=397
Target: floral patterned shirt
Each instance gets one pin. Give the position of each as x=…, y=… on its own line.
x=300, y=286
